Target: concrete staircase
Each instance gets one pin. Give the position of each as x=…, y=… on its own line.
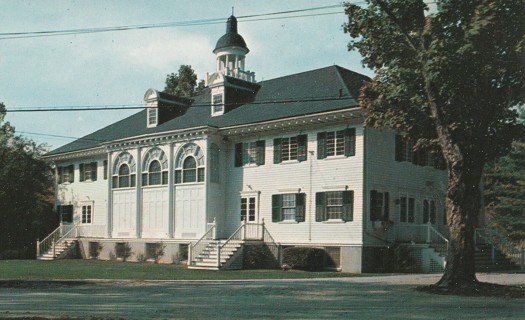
x=208, y=258
x=61, y=250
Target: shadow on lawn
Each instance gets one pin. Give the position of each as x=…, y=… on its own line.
x=479, y=289
x=43, y=284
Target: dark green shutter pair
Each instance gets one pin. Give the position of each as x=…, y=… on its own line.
x=348, y=206
x=302, y=149
x=93, y=168
x=349, y=135
x=260, y=146
x=277, y=212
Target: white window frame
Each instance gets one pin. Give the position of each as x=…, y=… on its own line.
x=85, y=217
x=153, y=117
x=289, y=149
x=335, y=143
x=217, y=105
x=408, y=214
x=249, y=195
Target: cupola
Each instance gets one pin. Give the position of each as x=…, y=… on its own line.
x=230, y=84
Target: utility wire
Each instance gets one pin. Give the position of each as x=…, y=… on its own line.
x=143, y=106
x=47, y=33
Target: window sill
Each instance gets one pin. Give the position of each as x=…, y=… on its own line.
x=288, y=222
x=334, y=221
x=155, y=186
x=290, y=162
x=188, y=183
x=340, y=157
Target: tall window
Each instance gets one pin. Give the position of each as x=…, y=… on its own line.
x=336, y=143
x=407, y=208
x=87, y=213
x=88, y=171
x=153, y=118
x=248, y=209
x=292, y=148
x=124, y=171
x=155, y=168
x=189, y=164
x=334, y=205
x=250, y=153
x=404, y=152
x=66, y=213
x=218, y=106
x=288, y=207
x=379, y=206
x=429, y=211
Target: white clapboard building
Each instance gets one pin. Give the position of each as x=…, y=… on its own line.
x=277, y=163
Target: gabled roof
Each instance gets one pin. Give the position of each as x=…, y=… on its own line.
x=321, y=90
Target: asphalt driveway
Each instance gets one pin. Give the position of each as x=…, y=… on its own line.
x=387, y=297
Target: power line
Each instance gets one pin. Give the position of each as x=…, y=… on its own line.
x=247, y=18
x=143, y=106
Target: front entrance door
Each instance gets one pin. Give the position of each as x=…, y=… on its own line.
x=249, y=209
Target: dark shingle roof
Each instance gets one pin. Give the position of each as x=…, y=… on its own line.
x=321, y=90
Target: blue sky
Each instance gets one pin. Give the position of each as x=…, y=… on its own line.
x=116, y=68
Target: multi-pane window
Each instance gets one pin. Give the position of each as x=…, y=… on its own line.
x=288, y=207
x=292, y=148
x=124, y=172
x=152, y=117
x=189, y=164
x=248, y=209
x=407, y=208
x=87, y=213
x=250, y=153
x=88, y=171
x=155, y=168
x=66, y=174
x=66, y=213
x=334, y=205
x=379, y=206
x=218, y=106
x=404, y=152
x=336, y=143
x=429, y=211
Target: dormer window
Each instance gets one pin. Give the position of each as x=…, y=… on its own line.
x=153, y=117
x=217, y=104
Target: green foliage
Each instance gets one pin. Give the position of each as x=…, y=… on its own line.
x=123, y=250
x=448, y=78
x=259, y=257
x=397, y=258
x=305, y=258
x=184, y=83
x=155, y=250
x=505, y=194
x=26, y=197
x=94, y=249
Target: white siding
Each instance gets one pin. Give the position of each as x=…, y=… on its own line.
x=310, y=176
x=155, y=212
x=124, y=213
x=190, y=217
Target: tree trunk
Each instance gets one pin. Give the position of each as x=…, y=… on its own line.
x=463, y=207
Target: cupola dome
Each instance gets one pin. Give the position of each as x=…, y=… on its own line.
x=231, y=38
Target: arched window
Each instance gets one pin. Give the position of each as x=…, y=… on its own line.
x=123, y=176
x=189, y=164
x=124, y=171
x=155, y=168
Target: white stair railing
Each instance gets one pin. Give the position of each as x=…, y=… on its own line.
x=195, y=249
x=58, y=235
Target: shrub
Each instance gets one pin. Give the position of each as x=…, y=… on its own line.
x=397, y=259
x=259, y=257
x=155, y=250
x=94, y=249
x=305, y=258
x=122, y=250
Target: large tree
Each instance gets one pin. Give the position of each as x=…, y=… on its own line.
x=183, y=83
x=26, y=196
x=449, y=79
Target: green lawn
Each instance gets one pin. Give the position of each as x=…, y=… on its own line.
x=92, y=269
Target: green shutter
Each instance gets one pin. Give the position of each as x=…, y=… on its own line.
x=386, y=212
x=71, y=169
x=94, y=168
x=300, y=207
x=320, y=206
x=277, y=150
x=105, y=164
x=373, y=205
x=400, y=150
x=276, y=208
x=60, y=177
x=238, y=154
x=350, y=142
x=348, y=205
x=302, y=147
x=321, y=145
x=261, y=148
x=81, y=169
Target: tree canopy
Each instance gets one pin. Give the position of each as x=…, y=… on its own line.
x=450, y=79
x=183, y=83
x=26, y=196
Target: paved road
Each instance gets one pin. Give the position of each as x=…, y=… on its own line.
x=390, y=297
